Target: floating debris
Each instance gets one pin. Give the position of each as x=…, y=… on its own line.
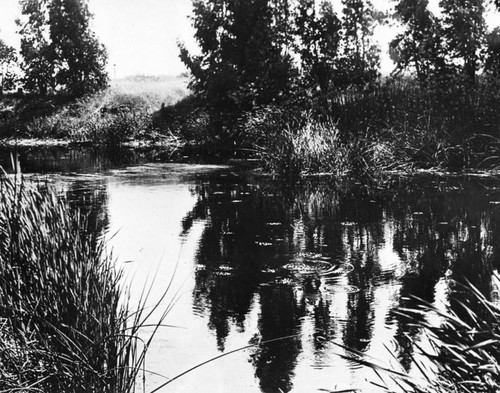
x=308, y=267
x=311, y=256
x=265, y=244
x=269, y=271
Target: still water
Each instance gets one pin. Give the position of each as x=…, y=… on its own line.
x=246, y=260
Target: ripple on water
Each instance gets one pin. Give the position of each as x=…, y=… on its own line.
x=317, y=263
x=312, y=256
x=308, y=267
x=280, y=281
x=337, y=287
x=350, y=288
x=339, y=270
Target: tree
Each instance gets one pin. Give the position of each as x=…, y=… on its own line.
x=59, y=50
x=420, y=46
x=35, y=48
x=7, y=59
x=492, y=63
x=360, y=60
x=79, y=58
x=319, y=38
x=244, y=58
x=464, y=32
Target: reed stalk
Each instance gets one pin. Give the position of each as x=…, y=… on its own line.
x=65, y=322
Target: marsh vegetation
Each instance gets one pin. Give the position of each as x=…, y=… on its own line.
x=65, y=321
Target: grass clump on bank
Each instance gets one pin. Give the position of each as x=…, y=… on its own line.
x=313, y=146
x=64, y=325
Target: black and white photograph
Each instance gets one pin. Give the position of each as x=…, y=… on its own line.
x=249, y=196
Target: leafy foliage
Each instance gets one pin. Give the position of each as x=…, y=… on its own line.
x=35, y=48
x=79, y=58
x=59, y=50
x=440, y=49
x=319, y=38
x=420, y=46
x=243, y=60
x=360, y=58
x=464, y=34
x=7, y=59
x=492, y=63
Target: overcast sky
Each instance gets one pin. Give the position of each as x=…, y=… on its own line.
x=141, y=35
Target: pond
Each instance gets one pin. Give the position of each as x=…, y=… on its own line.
x=291, y=274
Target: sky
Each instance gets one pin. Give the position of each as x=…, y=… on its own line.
x=141, y=35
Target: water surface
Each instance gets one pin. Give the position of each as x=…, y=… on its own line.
x=248, y=260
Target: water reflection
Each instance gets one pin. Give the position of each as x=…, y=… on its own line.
x=81, y=159
x=90, y=197
x=296, y=252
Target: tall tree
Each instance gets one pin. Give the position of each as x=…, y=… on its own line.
x=360, y=60
x=464, y=31
x=319, y=37
x=244, y=60
x=79, y=58
x=59, y=50
x=492, y=63
x=420, y=47
x=35, y=47
x=7, y=59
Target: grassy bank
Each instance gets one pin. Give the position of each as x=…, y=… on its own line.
x=397, y=125
x=64, y=322
x=121, y=114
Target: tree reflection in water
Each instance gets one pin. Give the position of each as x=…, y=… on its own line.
x=295, y=251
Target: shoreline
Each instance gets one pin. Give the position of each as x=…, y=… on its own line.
x=53, y=142
x=46, y=143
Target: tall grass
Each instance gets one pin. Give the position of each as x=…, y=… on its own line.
x=466, y=342
x=463, y=350
x=313, y=147
x=65, y=324
x=307, y=146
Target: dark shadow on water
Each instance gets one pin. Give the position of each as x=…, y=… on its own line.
x=262, y=242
